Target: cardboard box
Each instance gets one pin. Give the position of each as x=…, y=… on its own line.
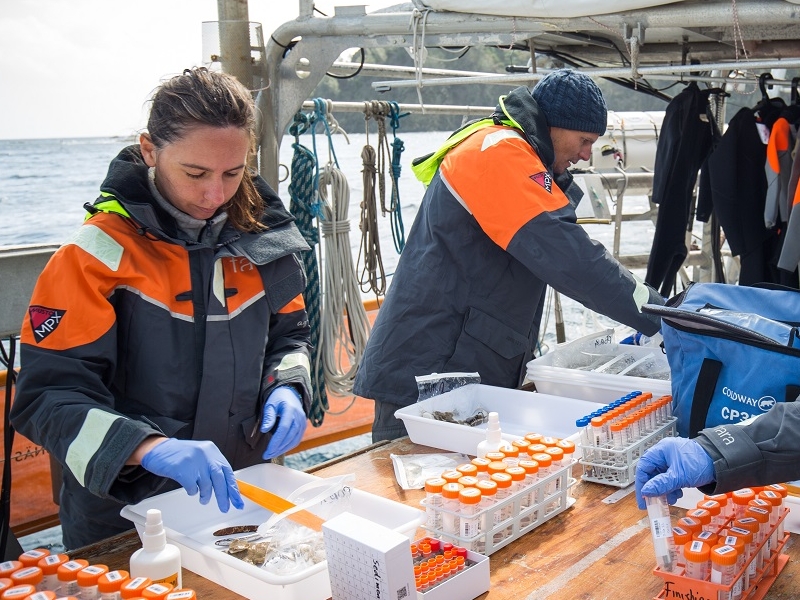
x=520, y=413
x=190, y=526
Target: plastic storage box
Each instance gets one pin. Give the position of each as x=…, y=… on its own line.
x=190, y=525
x=593, y=385
x=520, y=413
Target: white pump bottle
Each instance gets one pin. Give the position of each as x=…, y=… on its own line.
x=494, y=440
x=157, y=559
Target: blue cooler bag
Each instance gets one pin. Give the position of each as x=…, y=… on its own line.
x=733, y=352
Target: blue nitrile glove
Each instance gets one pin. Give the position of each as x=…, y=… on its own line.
x=286, y=406
x=673, y=463
x=196, y=465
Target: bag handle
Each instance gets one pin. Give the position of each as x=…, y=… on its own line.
x=703, y=393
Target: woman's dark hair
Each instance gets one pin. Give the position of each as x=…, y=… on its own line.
x=203, y=97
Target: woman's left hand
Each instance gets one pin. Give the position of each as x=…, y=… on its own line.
x=285, y=406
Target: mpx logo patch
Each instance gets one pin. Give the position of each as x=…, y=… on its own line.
x=544, y=180
x=44, y=321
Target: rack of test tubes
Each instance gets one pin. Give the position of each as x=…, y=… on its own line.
x=727, y=548
x=488, y=503
x=613, y=438
x=442, y=569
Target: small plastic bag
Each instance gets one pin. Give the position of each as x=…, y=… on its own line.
x=411, y=470
x=436, y=384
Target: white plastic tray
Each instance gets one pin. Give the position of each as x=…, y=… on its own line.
x=520, y=413
x=189, y=526
x=588, y=385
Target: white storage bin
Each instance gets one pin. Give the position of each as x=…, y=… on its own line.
x=520, y=413
x=190, y=525
x=593, y=386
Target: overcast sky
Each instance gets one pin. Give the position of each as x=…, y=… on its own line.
x=85, y=68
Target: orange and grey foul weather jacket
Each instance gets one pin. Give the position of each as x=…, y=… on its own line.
x=132, y=332
x=495, y=227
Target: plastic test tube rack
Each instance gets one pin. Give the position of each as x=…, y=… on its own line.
x=552, y=496
x=614, y=463
x=677, y=585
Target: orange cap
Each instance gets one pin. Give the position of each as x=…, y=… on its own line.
x=712, y=506
x=434, y=485
x=487, y=487
x=49, y=564
x=495, y=456
x=183, y=594
x=31, y=558
x=534, y=438
x=88, y=576
x=536, y=448
x=510, y=452
x=5, y=583
x=467, y=469
x=745, y=534
x=517, y=473
x=451, y=476
x=468, y=481
x=721, y=499
x=556, y=452
x=521, y=444
x=30, y=575
x=771, y=496
x=743, y=496
x=778, y=488
x=567, y=446
x=696, y=551
x=681, y=535
x=157, y=591
x=759, y=514
x=68, y=571
x=18, y=592
x=544, y=459
x=735, y=541
x=709, y=537
x=530, y=466
x=690, y=524
x=751, y=524
x=724, y=555
x=497, y=466
x=8, y=567
x=503, y=480
x=481, y=464
x=761, y=503
x=133, y=587
x=450, y=490
x=471, y=495
x=701, y=515
x=112, y=580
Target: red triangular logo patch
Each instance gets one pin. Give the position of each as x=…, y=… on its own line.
x=544, y=180
x=44, y=321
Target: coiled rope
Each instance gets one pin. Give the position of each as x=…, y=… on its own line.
x=304, y=206
x=372, y=275
x=345, y=325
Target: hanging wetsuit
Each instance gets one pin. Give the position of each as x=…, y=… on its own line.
x=687, y=134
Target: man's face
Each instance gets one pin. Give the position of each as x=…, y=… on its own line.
x=570, y=147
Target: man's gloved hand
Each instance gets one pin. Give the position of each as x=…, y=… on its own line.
x=284, y=405
x=197, y=466
x=673, y=463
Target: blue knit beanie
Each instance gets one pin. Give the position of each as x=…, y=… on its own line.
x=571, y=100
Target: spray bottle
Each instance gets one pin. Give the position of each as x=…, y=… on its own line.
x=156, y=559
x=494, y=440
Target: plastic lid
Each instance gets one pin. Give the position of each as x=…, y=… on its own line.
x=467, y=469
x=771, y=496
x=471, y=495
x=743, y=496
x=521, y=445
x=68, y=571
x=536, y=448
x=696, y=551
x=18, y=591
x=31, y=575
x=777, y=487
x=709, y=537
x=112, y=581
x=468, y=481
x=550, y=440
x=495, y=456
x=31, y=558
x=700, y=514
x=712, y=506
x=761, y=503
x=487, y=487
x=543, y=458
x=133, y=587
x=434, y=485
x=530, y=466
x=497, y=466
x=157, y=591
x=735, y=541
x=721, y=499
x=598, y=421
x=567, y=446
x=681, y=535
x=556, y=452
x=184, y=594
x=510, y=451
x=517, y=473
x=745, y=534
x=480, y=464
x=450, y=490
x=452, y=476
x=690, y=524
x=724, y=555
x=5, y=583
x=49, y=564
x=759, y=514
x=748, y=523
x=534, y=438
x=88, y=576
x=503, y=480
x=8, y=567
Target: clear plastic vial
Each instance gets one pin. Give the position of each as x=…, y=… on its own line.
x=661, y=531
x=469, y=513
x=68, y=576
x=433, y=502
x=109, y=584
x=49, y=565
x=723, y=570
x=696, y=554
x=450, y=506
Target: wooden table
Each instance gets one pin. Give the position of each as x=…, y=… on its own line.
x=594, y=550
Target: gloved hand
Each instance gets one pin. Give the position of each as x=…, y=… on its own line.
x=673, y=463
x=284, y=405
x=196, y=466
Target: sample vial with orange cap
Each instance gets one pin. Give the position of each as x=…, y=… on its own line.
x=545, y=461
x=762, y=516
x=18, y=592
x=49, y=565
x=468, y=469
x=433, y=501
x=725, y=504
x=109, y=584
x=488, y=489
x=681, y=537
x=469, y=500
x=183, y=594
x=696, y=554
x=451, y=476
x=702, y=516
x=87, y=581
x=157, y=591
x=30, y=558
x=531, y=476
x=9, y=566
x=715, y=510
x=503, y=481
x=481, y=466
x=28, y=575
x=723, y=569
x=741, y=498
x=753, y=526
x=450, y=506
x=521, y=445
x=68, y=576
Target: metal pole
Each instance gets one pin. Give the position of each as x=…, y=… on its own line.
x=234, y=40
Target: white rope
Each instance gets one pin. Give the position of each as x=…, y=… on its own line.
x=345, y=325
